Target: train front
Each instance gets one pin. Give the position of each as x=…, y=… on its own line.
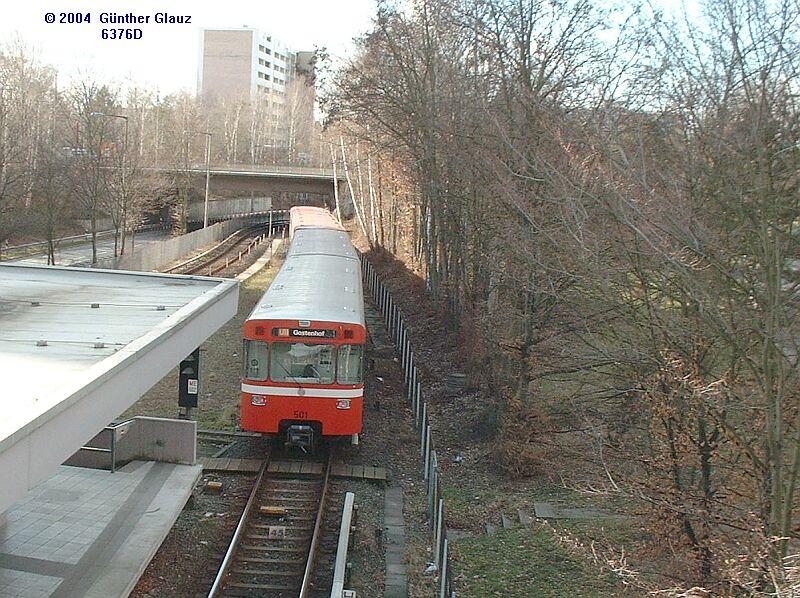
x=303, y=379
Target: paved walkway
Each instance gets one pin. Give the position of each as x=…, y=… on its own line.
x=256, y=266
x=396, y=578
x=91, y=533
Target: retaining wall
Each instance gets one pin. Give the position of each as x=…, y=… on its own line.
x=154, y=256
x=224, y=208
x=147, y=438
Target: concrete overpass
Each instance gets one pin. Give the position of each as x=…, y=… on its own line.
x=285, y=185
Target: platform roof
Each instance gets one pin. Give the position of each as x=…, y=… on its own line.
x=79, y=346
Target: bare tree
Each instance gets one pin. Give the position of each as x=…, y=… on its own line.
x=618, y=214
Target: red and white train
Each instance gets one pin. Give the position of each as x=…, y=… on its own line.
x=304, y=342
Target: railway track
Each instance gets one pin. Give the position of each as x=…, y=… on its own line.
x=222, y=255
x=274, y=548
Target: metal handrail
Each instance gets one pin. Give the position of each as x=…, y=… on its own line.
x=112, y=428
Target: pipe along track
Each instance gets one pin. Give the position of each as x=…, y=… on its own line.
x=273, y=550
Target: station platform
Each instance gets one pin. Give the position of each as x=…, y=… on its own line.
x=89, y=532
x=80, y=346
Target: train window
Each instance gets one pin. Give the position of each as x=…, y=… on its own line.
x=255, y=360
x=302, y=363
x=350, y=364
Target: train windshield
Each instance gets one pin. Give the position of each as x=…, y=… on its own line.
x=302, y=363
x=350, y=364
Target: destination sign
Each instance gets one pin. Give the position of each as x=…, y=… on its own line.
x=304, y=332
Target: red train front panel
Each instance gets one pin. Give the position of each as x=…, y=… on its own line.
x=303, y=372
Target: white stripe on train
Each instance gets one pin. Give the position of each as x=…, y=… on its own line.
x=314, y=393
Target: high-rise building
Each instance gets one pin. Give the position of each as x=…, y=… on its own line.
x=243, y=63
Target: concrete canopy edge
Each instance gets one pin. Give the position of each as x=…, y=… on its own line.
x=107, y=388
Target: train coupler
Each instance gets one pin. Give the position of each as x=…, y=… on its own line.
x=302, y=437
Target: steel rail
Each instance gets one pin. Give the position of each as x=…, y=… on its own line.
x=203, y=264
x=305, y=586
x=206, y=266
x=199, y=256
x=237, y=534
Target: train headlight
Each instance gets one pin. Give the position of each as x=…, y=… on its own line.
x=258, y=400
x=343, y=404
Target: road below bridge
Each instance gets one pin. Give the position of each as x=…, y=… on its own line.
x=81, y=253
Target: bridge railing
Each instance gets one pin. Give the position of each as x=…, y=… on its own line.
x=261, y=168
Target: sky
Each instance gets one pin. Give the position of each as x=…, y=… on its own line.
x=166, y=56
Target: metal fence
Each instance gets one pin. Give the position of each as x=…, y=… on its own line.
x=437, y=520
x=220, y=209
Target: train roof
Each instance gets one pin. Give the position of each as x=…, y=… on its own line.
x=321, y=241
x=311, y=217
x=320, y=280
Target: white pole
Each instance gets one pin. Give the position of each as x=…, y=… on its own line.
x=335, y=185
x=438, y=545
x=424, y=421
x=427, y=450
x=443, y=573
x=208, y=177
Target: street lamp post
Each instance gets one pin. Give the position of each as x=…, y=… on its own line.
x=4, y=131
x=124, y=156
x=4, y=110
x=208, y=169
x=3, y=136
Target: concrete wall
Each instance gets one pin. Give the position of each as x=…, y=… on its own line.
x=227, y=63
x=223, y=208
x=243, y=185
x=160, y=439
x=145, y=438
x=154, y=256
